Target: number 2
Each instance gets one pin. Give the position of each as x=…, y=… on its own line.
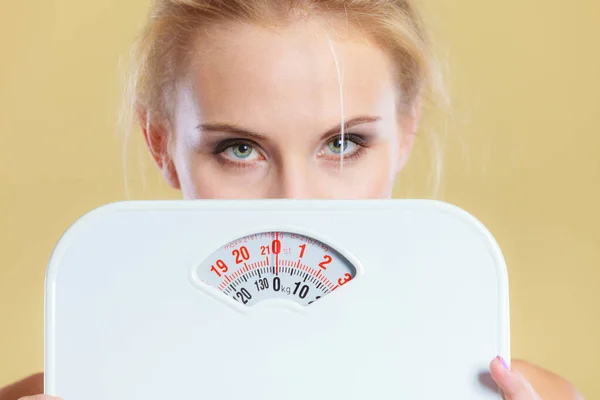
x=323, y=264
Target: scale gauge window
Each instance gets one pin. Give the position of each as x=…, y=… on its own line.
x=270, y=265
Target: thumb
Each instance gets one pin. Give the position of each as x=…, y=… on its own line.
x=512, y=382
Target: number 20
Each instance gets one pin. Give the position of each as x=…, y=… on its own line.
x=241, y=255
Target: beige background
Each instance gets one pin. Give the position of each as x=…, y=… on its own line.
x=521, y=155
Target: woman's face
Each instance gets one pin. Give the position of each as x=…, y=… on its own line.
x=260, y=113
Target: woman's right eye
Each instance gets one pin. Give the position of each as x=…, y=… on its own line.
x=241, y=152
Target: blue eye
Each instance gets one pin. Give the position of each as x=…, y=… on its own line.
x=337, y=146
x=242, y=150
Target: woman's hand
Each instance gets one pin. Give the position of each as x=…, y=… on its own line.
x=512, y=382
x=526, y=381
x=39, y=397
x=26, y=388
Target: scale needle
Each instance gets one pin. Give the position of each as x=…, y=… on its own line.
x=277, y=256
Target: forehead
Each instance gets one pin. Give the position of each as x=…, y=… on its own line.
x=273, y=79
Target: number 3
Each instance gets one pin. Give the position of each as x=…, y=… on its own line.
x=347, y=278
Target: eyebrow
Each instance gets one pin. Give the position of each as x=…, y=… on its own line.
x=230, y=128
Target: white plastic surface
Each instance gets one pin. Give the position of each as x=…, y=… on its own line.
x=422, y=319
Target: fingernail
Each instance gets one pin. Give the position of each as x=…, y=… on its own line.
x=504, y=363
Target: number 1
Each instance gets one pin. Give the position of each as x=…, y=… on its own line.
x=303, y=247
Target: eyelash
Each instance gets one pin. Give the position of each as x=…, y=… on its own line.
x=224, y=145
x=358, y=140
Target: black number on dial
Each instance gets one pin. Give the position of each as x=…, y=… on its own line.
x=303, y=290
x=276, y=284
x=262, y=284
x=244, y=295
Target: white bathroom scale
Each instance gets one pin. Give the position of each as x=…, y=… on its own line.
x=275, y=300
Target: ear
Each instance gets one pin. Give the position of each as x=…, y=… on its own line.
x=409, y=124
x=157, y=139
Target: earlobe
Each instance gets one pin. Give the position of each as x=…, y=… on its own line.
x=169, y=172
x=156, y=137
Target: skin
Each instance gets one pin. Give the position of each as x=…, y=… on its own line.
x=282, y=150
x=293, y=151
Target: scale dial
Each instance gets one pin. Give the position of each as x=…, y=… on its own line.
x=271, y=265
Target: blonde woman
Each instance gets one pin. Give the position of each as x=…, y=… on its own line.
x=289, y=99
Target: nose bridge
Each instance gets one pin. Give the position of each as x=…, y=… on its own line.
x=293, y=179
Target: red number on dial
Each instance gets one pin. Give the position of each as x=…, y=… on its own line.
x=221, y=267
x=303, y=248
x=276, y=246
x=347, y=278
x=241, y=255
x=327, y=260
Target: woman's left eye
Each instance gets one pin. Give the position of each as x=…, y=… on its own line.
x=337, y=146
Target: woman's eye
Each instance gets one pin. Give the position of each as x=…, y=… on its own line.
x=337, y=146
x=241, y=151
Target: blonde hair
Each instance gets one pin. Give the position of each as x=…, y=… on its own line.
x=162, y=51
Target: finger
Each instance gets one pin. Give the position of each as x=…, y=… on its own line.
x=40, y=397
x=513, y=384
